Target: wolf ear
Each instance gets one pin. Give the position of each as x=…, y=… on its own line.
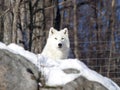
x=52, y=31
x=65, y=31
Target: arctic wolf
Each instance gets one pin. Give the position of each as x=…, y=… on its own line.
x=57, y=46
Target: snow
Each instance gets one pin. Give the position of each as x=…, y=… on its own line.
x=53, y=69
x=20, y=50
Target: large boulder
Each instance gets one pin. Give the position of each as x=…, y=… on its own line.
x=82, y=83
x=14, y=74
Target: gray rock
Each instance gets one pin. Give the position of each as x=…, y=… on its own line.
x=13, y=72
x=71, y=71
x=82, y=83
x=14, y=76
x=51, y=88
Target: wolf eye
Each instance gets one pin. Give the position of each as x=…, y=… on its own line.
x=55, y=38
x=62, y=38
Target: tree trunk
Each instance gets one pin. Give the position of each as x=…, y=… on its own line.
x=76, y=51
x=112, y=44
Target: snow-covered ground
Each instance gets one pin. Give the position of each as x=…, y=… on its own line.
x=53, y=69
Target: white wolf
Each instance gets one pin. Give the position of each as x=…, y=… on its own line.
x=58, y=45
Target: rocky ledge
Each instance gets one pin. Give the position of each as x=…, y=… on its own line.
x=16, y=73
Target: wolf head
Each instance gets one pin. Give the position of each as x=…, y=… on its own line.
x=57, y=45
x=58, y=39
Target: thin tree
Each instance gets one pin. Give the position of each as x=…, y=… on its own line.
x=76, y=51
x=57, y=18
x=112, y=45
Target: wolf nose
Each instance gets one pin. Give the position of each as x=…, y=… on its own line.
x=60, y=45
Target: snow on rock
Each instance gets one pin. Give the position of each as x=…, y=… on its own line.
x=2, y=45
x=20, y=50
x=53, y=70
x=56, y=76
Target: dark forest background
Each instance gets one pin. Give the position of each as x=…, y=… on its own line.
x=94, y=29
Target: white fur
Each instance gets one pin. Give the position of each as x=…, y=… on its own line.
x=52, y=49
